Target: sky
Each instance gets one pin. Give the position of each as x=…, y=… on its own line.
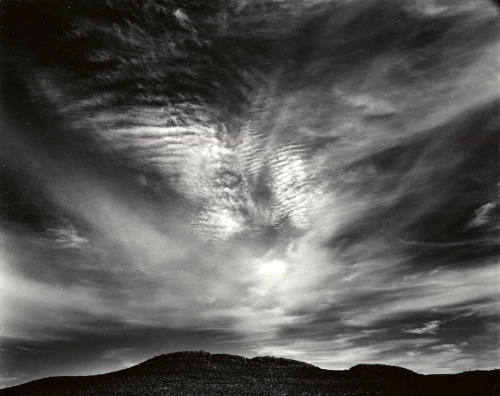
x=316, y=180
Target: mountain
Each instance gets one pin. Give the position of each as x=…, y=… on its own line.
x=202, y=373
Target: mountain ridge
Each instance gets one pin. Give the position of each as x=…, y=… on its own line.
x=198, y=372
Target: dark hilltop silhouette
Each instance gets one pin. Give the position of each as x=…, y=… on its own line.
x=202, y=373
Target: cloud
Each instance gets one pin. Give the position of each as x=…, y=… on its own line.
x=369, y=105
x=37, y=309
x=428, y=328
x=440, y=7
x=67, y=237
x=483, y=215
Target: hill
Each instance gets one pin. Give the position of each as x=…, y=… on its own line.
x=202, y=373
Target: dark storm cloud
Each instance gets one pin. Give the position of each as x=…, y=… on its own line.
x=316, y=180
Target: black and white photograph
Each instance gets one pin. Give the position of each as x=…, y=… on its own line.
x=249, y=197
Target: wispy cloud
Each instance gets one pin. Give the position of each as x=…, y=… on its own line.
x=428, y=328
x=67, y=237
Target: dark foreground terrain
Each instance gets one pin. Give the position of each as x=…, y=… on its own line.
x=201, y=373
